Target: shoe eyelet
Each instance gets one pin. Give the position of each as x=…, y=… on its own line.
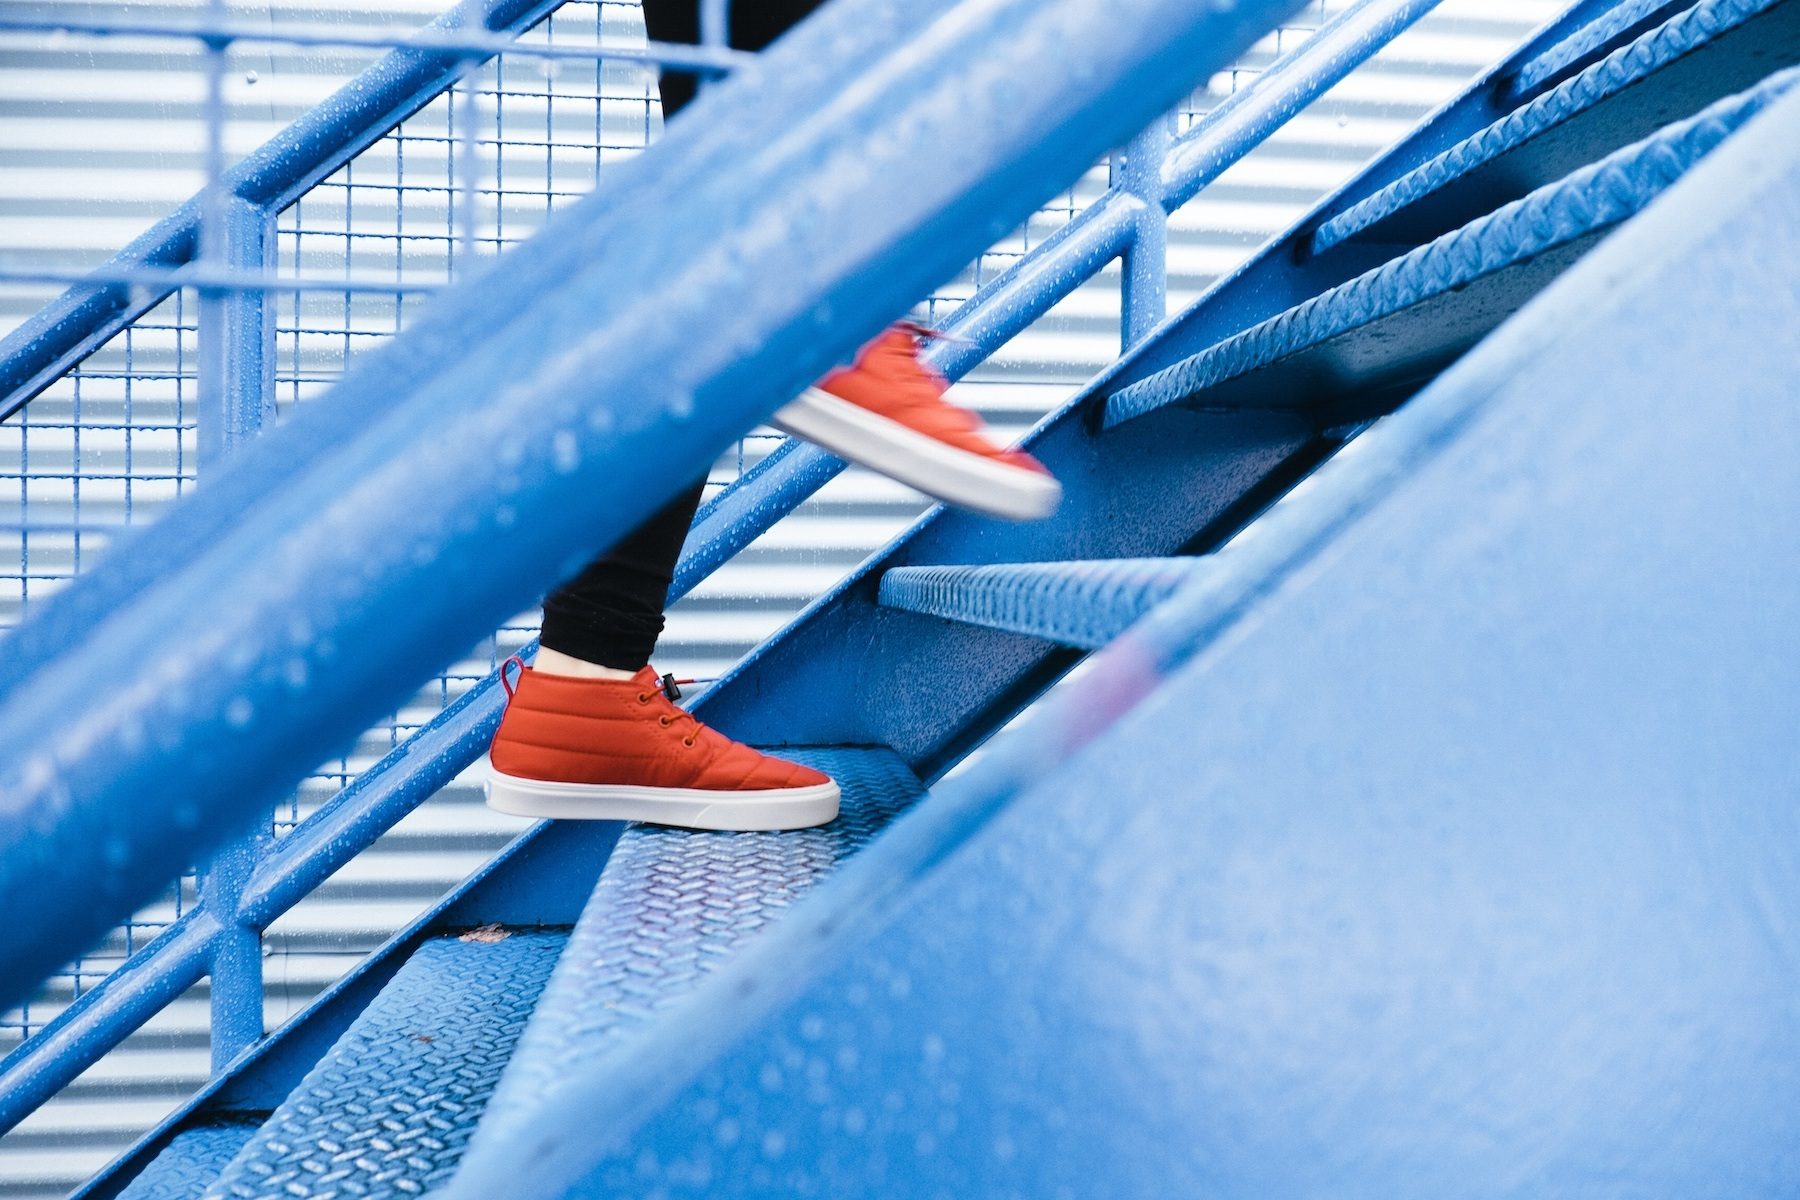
x=664, y=721
x=643, y=697
x=688, y=742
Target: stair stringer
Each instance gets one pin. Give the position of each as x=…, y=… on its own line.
x=1444, y=845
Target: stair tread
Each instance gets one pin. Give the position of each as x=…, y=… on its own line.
x=1569, y=110
x=1084, y=602
x=1588, y=40
x=389, y=1110
x=191, y=1160
x=671, y=907
x=1350, y=337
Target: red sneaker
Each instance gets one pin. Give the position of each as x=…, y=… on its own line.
x=888, y=412
x=603, y=749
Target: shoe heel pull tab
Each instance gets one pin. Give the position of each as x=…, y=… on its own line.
x=507, y=683
x=670, y=688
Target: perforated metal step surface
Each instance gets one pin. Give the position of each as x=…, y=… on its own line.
x=671, y=907
x=388, y=1112
x=1407, y=319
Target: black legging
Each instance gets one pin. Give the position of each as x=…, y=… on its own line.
x=611, y=613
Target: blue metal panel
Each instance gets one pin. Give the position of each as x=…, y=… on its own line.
x=672, y=907
x=1659, y=77
x=1085, y=604
x=1381, y=328
x=329, y=564
x=388, y=1112
x=1440, y=844
x=191, y=1161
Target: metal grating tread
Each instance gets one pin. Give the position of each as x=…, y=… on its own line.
x=1083, y=603
x=1629, y=65
x=671, y=907
x=388, y=1112
x=1589, y=39
x=1585, y=204
x=191, y=1161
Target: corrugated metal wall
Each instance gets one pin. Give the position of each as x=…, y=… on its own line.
x=100, y=138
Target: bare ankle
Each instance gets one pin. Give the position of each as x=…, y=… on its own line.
x=554, y=662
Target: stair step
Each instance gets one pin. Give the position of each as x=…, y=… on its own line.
x=1353, y=350
x=190, y=1162
x=1591, y=39
x=671, y=907
x=388, y=1111
x=1083, y=603
x=1697, y=57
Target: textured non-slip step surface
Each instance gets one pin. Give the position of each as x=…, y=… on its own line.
x=1591, y=39
x=191, y=1161
x=1697, y=57
x=671, y=907
x=1409, y=317
x=1085, y=603
x=389, y=1110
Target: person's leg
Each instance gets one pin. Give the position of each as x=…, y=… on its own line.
x=604, y=622
x=588, y=732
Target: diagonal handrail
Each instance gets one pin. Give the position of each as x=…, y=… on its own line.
x=329, y=563
x=454, y=738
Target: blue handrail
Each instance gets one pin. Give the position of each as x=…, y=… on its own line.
x=330, y=563
x=433, y=756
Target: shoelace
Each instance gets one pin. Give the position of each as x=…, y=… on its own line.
x=675, y=714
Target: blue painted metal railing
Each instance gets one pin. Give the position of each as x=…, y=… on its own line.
x=1157, y=174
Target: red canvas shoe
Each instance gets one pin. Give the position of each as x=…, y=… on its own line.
x=888, y=412
x=603, y=749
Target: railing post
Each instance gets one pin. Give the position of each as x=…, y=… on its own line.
x=237, y=389
x=237, y=335
x=1144, y=302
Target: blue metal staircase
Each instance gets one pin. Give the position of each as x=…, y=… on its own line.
x=1087, y=963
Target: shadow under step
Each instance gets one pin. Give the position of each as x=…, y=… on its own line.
x=671, y=907
x=389, y=1110
x=1084, y=603
x=1697, y=57
x=1357, y=349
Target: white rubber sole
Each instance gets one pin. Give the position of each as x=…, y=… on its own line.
x=941, y=472
x=689, y=808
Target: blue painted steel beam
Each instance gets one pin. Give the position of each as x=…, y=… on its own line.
x=1708, y=52
x=39, y=351
x=1084, y=603
x=1446, y=805
x=338, y=564
x=1402, y=321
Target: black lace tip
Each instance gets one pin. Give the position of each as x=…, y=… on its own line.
x=669, y=689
